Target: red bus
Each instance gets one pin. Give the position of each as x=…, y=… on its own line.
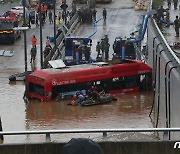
x=116, y=76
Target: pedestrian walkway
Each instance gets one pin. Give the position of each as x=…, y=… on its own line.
x=169, y=32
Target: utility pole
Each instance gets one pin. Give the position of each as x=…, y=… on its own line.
x=25, y=47
x=40, y=24
x=54, y=6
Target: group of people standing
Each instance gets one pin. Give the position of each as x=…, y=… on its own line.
x=102, y=49
x=42, y=16
x=88, y=15
x=33, y=52
x=164, y=14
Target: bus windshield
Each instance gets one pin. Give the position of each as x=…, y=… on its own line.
x=36, y=89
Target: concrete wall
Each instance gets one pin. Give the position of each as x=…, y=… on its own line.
x=132, y=147
x=166, y=97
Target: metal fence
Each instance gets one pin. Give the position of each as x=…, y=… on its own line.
x=104, y=132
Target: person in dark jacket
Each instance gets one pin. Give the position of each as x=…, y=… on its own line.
x=33, y=54
x=176, y=26
x=50, y=16
x=107, y=51
x=169, y=3
x=160, y=12
x=94, y=14
x=106, y=39
x=175, y=4
x=104, y=14
x=98, y=48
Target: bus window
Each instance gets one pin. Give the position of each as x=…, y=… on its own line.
x=145, y=82
x=56, y=90
x=36, y=89
x=131, y=81
x=116, y=83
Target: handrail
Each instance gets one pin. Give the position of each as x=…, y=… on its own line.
x=165, y=42
x=104, y=131
x=88, y=131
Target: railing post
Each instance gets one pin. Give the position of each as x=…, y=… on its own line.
x=48, y=137
x=165, y=135
x=104, y=135
x=1, y=136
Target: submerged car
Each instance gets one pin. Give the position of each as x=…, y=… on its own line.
x=19, y=76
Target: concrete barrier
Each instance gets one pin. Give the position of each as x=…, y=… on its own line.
x=123, y=147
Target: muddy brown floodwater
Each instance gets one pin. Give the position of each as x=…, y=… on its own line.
x=129, y=111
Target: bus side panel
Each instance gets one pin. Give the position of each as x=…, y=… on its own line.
x=129, y=90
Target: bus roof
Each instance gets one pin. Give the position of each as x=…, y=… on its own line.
x=74, y=71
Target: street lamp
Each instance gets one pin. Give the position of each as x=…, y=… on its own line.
x=25, y=45
x=40, y=20
x=54, y=6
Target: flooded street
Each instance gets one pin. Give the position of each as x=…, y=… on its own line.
x=129, y=111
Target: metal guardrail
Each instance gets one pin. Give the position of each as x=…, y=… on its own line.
x=166, y=131
x=54, y=54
